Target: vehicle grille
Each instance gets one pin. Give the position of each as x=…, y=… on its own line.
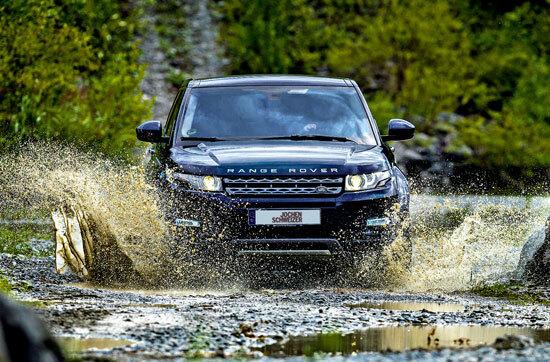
x=283, y=185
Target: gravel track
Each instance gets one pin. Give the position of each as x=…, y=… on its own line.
x=232, y=323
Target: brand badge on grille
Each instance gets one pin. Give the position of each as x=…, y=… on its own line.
x=321, y=189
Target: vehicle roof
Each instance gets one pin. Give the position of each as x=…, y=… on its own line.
x=246, y=80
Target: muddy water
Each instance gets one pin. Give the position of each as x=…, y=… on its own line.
x=462, y=241
x=399, y=338
x=121, y=207
x=75, y=345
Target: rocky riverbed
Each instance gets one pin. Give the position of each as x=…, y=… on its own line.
x=363, y=324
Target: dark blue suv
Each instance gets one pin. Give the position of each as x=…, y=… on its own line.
x=278, y=165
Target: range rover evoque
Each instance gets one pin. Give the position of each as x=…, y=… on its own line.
x=278, y=165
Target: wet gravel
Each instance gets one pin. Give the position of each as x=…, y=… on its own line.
x=37, y=273
x=231, y=323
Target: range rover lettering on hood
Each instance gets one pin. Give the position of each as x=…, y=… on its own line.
x=276, y=170
x=280, y=158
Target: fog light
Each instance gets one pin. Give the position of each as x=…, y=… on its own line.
x=379, y=221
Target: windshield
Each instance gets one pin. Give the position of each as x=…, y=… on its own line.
x=275, y=111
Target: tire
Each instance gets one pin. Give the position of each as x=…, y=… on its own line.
x=359, y=268
x=376, y=265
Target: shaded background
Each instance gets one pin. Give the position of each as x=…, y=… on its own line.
x=472, y=75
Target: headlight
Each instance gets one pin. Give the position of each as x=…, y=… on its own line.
x=368, y=181
x=206, y=183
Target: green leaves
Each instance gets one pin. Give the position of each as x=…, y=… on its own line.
x=69, y=71
x=273, y=36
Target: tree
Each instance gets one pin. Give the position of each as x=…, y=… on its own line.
x=68, y=70
x=415, y=52
x=271, y=36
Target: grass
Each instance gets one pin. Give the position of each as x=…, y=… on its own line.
x=5, y=286
x=34, y=304
x=16, y=239
x=511, y=292
x=14, y=213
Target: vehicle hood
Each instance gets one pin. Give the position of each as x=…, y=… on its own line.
x=279, y=157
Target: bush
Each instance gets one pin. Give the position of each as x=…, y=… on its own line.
x=69, y=70
x=507, y=142
x=273, y=36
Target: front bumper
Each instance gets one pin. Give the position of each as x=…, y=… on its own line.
x=216, y=219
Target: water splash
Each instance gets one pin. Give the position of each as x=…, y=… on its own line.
x=457, y=242
x=462, y=241
x=121, y=208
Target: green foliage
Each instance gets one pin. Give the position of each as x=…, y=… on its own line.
x=511, y=292
x=507, y=39
x=271, y=36
x=17, y=240
x=507, y=142
x=68, y=70
x=509, y=119
x=384, y=109
x=406, y=57
x=486, y=61
x=532, y=93
x=176, y=77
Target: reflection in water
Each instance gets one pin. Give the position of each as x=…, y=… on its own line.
x=399, y=338
x=73, y=344
x=411, y=306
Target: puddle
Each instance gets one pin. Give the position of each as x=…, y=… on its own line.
x=73, y=344
x=411, y=306
x=397, y=339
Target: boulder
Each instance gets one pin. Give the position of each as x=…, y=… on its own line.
x=91, y=250
x=534, y=264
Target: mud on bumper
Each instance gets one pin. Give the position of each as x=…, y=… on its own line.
x=345, y=226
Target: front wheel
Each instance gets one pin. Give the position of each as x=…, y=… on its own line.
x=377, y=264
x=360, y=267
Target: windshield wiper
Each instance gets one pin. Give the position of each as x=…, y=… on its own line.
x=300, y=137
x=208, y=139
x=294, y=137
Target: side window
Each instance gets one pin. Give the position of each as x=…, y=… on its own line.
x=168, y=127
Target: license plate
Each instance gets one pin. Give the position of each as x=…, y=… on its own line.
x=284, y=217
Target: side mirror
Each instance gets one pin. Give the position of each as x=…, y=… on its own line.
x=150, y=131
x=399, y=130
